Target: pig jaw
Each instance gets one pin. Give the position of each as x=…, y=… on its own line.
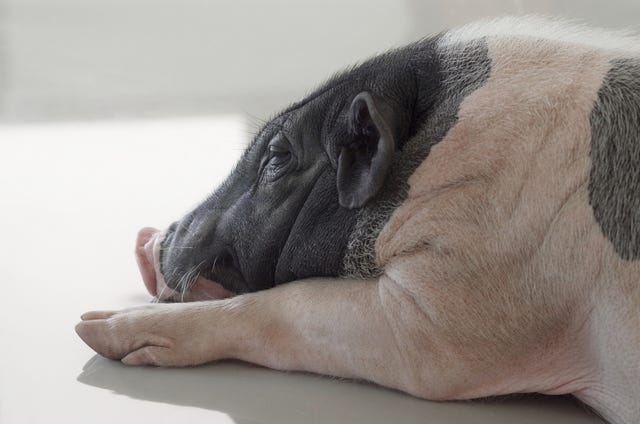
x=148, y=246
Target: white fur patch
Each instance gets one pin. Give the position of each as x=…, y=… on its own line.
x=547, y=29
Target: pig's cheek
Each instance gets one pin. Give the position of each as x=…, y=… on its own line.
x=160, y=335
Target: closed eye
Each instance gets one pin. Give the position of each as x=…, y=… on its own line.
x=278, y=156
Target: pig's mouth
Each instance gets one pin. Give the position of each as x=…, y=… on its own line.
x=193, y=287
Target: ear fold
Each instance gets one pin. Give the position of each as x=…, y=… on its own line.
x=364, y=162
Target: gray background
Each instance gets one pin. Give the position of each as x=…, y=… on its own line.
x=76, y=59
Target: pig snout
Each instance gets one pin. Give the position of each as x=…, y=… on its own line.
x=146, y=242
x=148, y=245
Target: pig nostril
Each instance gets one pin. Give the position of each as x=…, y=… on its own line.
x=225, y=260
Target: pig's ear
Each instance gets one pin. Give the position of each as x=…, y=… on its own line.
x=365, y=159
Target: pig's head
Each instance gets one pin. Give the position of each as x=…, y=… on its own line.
x=296, y=198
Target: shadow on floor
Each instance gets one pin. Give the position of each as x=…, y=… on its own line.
x=250, y=394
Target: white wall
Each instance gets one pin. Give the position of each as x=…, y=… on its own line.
x=70, y=59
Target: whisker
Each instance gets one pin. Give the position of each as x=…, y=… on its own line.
x=187, y=279
x=159, y=295
x=215, y=260
x=181, y=282
x=196, y=272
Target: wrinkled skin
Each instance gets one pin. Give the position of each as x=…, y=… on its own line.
x=287, y=210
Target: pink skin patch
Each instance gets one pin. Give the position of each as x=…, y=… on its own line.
x=145, y=261
x=147, y=252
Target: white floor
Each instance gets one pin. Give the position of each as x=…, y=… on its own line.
x=72, y=196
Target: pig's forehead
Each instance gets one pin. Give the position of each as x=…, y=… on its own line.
x=322, y=108
x=310, y=114
x=322, y=105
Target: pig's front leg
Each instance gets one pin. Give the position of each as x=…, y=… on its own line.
x=334, y=327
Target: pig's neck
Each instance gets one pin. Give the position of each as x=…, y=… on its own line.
x=615, y=391
x=461, y=74
x=360, y=255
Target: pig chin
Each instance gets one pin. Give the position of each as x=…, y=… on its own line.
x=147, y=252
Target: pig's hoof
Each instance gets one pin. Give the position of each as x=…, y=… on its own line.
x=160, y=335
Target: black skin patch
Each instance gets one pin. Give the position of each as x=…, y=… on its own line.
x=463, y=69
x=614, y=183
x=278, y=218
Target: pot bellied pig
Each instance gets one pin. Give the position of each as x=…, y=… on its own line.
x=455, y=219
